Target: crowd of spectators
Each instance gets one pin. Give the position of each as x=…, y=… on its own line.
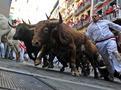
x=7, y=52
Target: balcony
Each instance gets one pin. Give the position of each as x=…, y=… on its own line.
x=82, y=8
x=68, y=16
x=69, y=2
x=87, y=4
x=77, y=0
x=98, y=4
x=115, y=17
x=78, y=10
x=82, y=24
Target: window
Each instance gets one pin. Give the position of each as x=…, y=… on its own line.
x=27, y=1
x=99, y=12
x=114, y=2
x=96, y=1
x=88, y=12
x=119, y=2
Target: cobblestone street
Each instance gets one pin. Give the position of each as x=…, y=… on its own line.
x=21, y=76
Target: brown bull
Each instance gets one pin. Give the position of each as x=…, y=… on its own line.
x=58, y=35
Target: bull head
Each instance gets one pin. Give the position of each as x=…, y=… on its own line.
x=13, y=26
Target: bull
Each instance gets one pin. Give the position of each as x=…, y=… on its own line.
x=59, y=36
x=23, y=33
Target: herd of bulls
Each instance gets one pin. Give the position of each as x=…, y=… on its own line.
x=54, y=38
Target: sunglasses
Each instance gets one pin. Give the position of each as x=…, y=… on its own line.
x=94, y=16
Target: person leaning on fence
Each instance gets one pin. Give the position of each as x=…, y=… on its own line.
x=98, y=31
x=115, y=10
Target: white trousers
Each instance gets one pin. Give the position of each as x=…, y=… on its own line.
x=108, y=50
x=2, y=50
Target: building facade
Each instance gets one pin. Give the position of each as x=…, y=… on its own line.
x=5, y=7
x=77, y=13
x=109, y=9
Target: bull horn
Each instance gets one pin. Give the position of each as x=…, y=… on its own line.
x=24, y=21
x=29, y=21
x=47, y=16
x=60, y=18
x=30, y=26
x=13, y=26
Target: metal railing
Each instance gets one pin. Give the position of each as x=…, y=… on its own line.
x=82, y=24
x=113, y=16
x=82, y=8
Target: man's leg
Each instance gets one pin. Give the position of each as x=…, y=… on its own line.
x=114, y=56
x=109, y=67
x=103, y=50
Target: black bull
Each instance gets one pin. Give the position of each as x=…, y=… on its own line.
x=60, y=38
x=23, y=33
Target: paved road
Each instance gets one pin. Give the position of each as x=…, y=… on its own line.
x=57, y=80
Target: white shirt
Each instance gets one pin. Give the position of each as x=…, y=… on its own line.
x=100, y=30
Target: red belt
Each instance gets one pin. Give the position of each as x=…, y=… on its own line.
x=105, y=39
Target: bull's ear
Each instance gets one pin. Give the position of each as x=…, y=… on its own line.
x=60, y=18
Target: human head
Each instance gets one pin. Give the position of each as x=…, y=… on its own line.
x=14, y=22
x=101, y=17
x=95, y=17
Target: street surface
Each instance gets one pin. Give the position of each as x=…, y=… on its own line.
x=28, y=77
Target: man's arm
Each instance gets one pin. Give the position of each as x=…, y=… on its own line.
x=88, y=32
x=114, y=26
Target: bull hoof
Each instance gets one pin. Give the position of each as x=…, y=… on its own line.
x=75, y=74
x=117, y=75
x=37, y=62
x=44, y=66
x=109, y=79
x=62, y=69
x=96, y=77
x=85, y=74
x=17, y=60
x=50, y=66
x=106, y=78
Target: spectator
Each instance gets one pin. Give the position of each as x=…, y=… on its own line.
x=2, y=51
x=115, y=10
